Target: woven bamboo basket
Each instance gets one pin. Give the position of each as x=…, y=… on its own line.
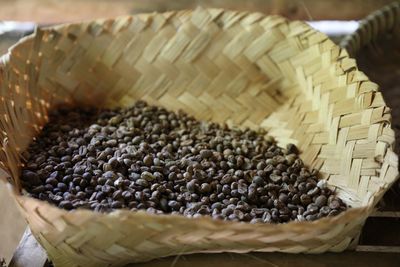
x=375, y=45
x=244, y=69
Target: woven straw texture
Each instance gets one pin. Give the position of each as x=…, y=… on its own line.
x=383, y=22
x=244, y=69
x=376, y=46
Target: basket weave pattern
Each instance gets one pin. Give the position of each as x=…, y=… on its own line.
x=241, y=68
x=385, y=21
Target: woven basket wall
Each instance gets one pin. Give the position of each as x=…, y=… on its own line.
x=376, y=47
x=241, y=68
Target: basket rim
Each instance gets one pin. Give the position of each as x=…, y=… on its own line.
x=378, y=22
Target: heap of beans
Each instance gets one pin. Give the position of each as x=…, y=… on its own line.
x=148, y=158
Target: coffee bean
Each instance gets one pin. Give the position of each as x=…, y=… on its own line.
x=142, y=182
x=305, y=199
x=116, y=204
x=52, y=181
x=147, y=176
x=38, y=189
x=110, y=175
x=258, y=180
x=275, y=178
x=313, y=192
x=191, y=186
x=321, y=200
x=66, y=205
x=205, y=188
x=205, y=153
x=334, y=204
x=147, y=158
x=312, y=208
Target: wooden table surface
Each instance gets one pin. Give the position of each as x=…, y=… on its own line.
x=30, y=254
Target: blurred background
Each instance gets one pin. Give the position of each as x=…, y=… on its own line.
x=19, y=17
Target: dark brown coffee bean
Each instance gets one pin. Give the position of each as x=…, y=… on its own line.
x=305, y=199
x=116, y=204
x=312, y=208
x=147, y=158
x=66, y=205
x=147, y=176
x=321, y=201
x=38, y=189
x=191, y=186
x=313, y=192
x=205, y=153
x=142, y=182
x=205, y=188
x=52, y=181
x=258, y=180
x=334, y=204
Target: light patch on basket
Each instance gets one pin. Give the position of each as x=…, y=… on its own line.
x=196, y=46
x=192, y=103
x=154, y=47
x=193, y=236
x=363, y=186
x=391, y=173
x=121, y=24
x=375, y=183
x=79, y=238
x=66, y=81
x=269, y=67
x=377, y=100
x=348, y=64
x=196, y=87
x=133, y=50
x=263, y=44
x=380, y=151
x=374, y=131
x=330, y=165
x=346, y=162
x=115, y=49
x=274, y=237
x=250, y=70
x=72, y=56
x=241, y=83
x=350, y=120
x=139, y=23
x=342, y=245
x=201, y=17
x=238, y=43
x=175, y=46
x=355, y=173
x=209, y=68
x=380, y=114
x=364, y=150
x=367, y=86
x=344, y=107
x=118, y=250
x=321, y=138
x=283, y=51
x=64, y=44
x=94, y=254
x=371, y=163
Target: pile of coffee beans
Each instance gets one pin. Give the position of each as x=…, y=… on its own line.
x=148, y=158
